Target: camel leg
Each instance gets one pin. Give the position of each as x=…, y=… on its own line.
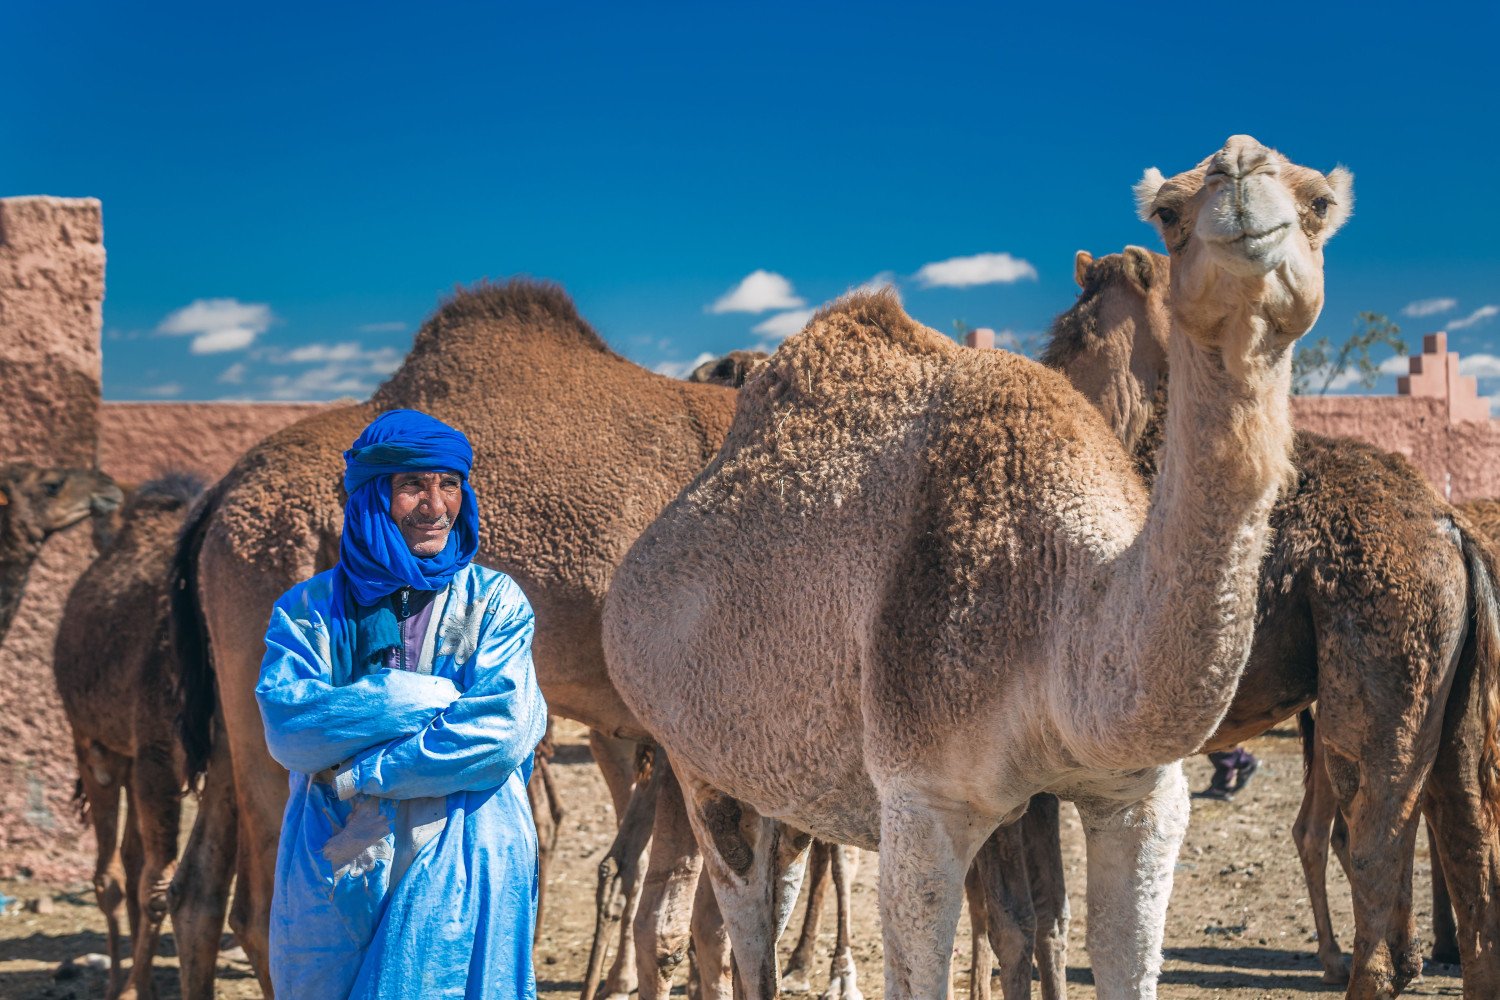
x=981, y=958
x=1377, y=799
x=1444, y=930
x=751, y=860
x=1311, y=834
x=1011, y=917
x=131, y=853
x=842, y=976
x=546, y=823
x=155, y=813
x=618, y=891
x=1132, y=848
x=1041, y=828
x=102, y=775
x=200, y=889
x=664, y=916
x=795, y=978
x=926, y=846
x=1466, y=840
x=712, y=960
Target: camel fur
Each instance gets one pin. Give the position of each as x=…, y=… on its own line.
x=920, y=584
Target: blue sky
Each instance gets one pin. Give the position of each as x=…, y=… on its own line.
x=289, y=189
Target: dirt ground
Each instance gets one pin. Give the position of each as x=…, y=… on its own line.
x=1239, y=926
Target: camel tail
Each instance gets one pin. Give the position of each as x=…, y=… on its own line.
x=1307, y=728
x=196, y=689
x=1481, y=657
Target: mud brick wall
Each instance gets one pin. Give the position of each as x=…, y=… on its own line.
x=1462, y=459
x=140, y=441
x=51, y=297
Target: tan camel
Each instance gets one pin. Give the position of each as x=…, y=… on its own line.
x=921, y=583
x=36, y=502
x=577, y=449
x=1374, y=596
x=113, y=666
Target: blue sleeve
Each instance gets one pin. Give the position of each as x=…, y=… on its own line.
x=312, y=724
x=479, y=740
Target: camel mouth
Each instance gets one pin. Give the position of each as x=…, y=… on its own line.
x=106, y=503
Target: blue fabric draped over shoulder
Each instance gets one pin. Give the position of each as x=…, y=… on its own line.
x=349, y=918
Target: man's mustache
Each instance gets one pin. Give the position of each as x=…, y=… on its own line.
x=443, y=523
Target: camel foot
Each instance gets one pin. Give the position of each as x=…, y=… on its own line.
x=842, y=988
x=617, y=996
x=795, y=981
x=1336, y=970
x=1446, y=956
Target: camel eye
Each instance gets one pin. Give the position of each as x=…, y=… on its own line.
x=52, y=488
x=1320, y=205
x=1168, y=216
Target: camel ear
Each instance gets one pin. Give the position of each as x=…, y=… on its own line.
x=1342, y=182
x=1139, y=268
x=1082, y=261
x=1145, y=193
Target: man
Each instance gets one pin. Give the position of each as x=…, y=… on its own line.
x=398, y=689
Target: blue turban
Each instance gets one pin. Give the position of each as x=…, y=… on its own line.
x=373, y=555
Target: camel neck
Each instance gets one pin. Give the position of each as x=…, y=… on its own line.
x=1191, y=576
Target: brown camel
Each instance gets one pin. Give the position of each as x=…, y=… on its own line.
x=1375, y=597
x=577, y=449
x=920, y=584
x=113, y=666
x=36, y=502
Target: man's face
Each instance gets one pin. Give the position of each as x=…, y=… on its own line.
x=424, y=506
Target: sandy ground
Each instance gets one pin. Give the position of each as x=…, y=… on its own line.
x=1239, y=925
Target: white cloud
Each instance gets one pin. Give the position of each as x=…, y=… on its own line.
x=1477, y=316
x=355, y=357
x=164, y=390
x=234, y=374
x=783, y=325
x=885, y=279
x=218, y=325
x=682, y=369
x=1482, y=365
x=327, y=382
x=979, y=269
x=1428, y=307
x=1396, y=364
x=392, y=327
x=760, y=291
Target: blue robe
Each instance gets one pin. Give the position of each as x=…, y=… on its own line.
x=410, y=869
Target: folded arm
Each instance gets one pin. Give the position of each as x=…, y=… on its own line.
x=480, y=739
x=312, y=724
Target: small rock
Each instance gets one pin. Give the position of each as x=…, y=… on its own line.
x=42, y=905
x=74, y=967
x=235, y=954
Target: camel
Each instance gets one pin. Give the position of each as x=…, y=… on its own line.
x=35, y=503
x=919, y=584
x=113, y=669
x=1374, y=596
x=577, y=450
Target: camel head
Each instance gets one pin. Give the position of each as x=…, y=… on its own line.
x=1112, y=344
x=35, y=502
x=1246, y=229
x=731, y=370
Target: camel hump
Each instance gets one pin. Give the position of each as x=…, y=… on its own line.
x=875, y=315
x=174, y=490
x=494, y=334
